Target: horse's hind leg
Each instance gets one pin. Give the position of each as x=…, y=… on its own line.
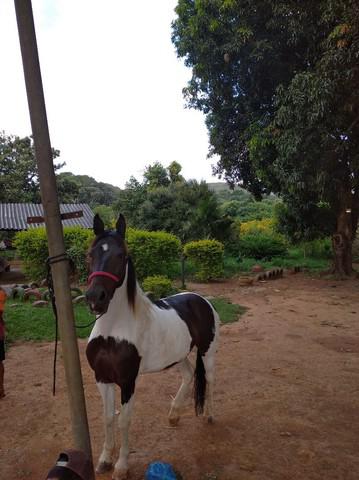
x=187, y=375
x=209, y=363
x=107, y=391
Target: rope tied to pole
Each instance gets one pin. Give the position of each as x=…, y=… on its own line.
x=50, y=285
x=63, y=257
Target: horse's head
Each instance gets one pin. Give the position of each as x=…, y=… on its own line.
x=107, y=264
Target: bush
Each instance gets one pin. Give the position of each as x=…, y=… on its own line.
x=207, y=257
x=33, y=250
x=260, y=245
x=158, y=285
x=153, y=253
x=266, y=225
x=319, y=248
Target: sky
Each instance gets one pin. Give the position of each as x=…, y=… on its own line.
x=113, y=88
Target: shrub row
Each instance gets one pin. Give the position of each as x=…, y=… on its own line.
x=153, y=253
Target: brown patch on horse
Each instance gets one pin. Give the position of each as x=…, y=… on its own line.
x=116, y=362
x=197, y=314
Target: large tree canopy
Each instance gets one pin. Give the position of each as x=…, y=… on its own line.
x=278, y=83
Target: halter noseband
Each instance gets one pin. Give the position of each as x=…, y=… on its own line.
x=100, y=273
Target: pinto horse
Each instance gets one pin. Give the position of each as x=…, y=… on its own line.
x=133, y=335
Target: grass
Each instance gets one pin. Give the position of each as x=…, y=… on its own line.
x=27, y=323
x=294, y=258
x=24, y=322
x=228, y=312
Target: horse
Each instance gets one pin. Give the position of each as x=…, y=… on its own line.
x=134, y=335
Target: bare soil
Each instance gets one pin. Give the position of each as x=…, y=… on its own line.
x=287, y=395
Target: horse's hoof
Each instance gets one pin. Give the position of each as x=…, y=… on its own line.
x=210, y=420
x=173, y=421
x=120, y=474
x=103, y=467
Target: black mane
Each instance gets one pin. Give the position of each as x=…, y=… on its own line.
x=131, y=282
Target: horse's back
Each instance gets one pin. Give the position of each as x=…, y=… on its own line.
x=199, y=316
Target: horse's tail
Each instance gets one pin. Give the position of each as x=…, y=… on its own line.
x=199, y=384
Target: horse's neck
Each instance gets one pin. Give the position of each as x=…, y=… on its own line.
x=120, y=310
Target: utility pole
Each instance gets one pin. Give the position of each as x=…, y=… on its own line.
x=59, y=268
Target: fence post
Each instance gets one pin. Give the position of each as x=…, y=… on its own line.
x=60, y=270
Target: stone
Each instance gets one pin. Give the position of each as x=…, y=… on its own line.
x=40, y=303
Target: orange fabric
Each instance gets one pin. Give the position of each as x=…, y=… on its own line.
x=2, y=300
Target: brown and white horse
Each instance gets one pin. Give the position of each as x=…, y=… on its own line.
x=133, y=335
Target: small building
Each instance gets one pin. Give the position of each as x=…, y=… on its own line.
x=20, y=216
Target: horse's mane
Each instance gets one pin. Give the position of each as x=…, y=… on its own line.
x=131, y=283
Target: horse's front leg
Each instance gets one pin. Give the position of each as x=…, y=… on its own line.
x=127, y=400
x=107, y=391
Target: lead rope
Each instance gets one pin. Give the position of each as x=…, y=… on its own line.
x=50, y=261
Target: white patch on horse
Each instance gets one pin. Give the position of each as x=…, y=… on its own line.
x=167, y=338
x=104, y=247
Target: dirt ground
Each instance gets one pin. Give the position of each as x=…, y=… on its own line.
x=287, y=395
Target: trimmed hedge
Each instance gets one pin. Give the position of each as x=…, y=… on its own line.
x=158, y=285
x=153, y=253
x=32, y=248
x=207, y=257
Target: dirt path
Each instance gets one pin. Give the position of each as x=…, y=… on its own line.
x=287, y=395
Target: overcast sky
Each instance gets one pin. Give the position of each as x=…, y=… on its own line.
x=113, y=87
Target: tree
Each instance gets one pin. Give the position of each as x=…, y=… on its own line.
x=84, y=189
x=156, y=176
x=277, y=82
x=129, y=201
x=67, y=188
x=19, y=181
x=174, y=172
x=187, y=209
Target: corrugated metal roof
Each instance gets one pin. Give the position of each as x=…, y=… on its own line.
x=13, y=216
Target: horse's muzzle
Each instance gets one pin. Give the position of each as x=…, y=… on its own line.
x=98, y=299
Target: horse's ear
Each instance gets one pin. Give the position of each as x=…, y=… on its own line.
x=121, y=225
x=98, y=225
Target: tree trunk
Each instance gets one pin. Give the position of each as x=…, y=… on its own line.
x=342, y=239
x=342, y=248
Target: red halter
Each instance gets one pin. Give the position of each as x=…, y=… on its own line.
x=103, y=274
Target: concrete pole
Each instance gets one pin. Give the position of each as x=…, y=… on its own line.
x=60, y=270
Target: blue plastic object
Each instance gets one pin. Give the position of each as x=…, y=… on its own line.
x=160, y=471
